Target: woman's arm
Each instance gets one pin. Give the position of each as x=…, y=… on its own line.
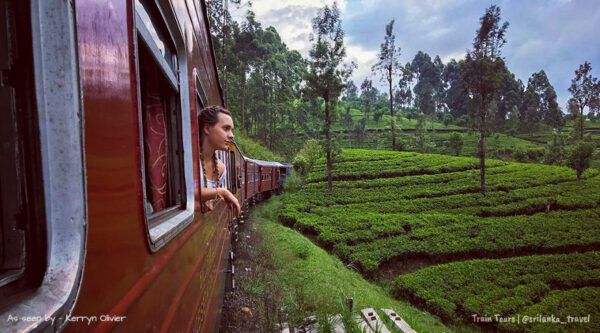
x=207, y=194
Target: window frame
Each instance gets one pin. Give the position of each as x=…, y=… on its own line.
x=57, y=91
x=163, y=226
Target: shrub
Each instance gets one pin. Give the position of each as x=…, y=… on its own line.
x=301, y=165
x=579, y=156
x=455, y=142
x=293, y=182
x=535, y=154
x=555, y=149
x=519, y=154
x=441, y=307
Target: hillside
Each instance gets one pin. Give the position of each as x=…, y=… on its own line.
x=252, y=149
x=417, y=224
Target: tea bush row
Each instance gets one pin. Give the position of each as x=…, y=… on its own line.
x=487, y=287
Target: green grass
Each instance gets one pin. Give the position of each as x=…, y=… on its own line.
x=309, y=280
x=253, y=149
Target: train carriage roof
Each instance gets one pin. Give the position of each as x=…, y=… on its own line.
x=265, y=163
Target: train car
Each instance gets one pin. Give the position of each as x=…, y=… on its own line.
x=284, y=171
x=268, y=177
x=102, y=228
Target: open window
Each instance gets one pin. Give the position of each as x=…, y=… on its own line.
x=164, y=122
x=42, y=177
x=22, y=226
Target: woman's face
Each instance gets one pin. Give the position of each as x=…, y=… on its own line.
x=221, y=133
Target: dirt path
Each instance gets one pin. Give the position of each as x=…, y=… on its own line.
x=244, y=307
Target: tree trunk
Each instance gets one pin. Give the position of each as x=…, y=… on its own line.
x=482, y=152
x=581, y=125
x=328, y=148
x=244, y=103
x=392, y=109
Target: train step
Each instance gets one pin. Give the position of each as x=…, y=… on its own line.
x=373, y=320
x=368, y=321
x=397, y=322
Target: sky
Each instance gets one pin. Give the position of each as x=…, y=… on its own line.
x=554, y=35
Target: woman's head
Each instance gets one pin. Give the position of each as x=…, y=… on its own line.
x=216, y=127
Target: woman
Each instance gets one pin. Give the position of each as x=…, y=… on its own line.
x=216, y=132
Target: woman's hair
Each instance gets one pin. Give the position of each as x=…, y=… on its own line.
x=210, y=116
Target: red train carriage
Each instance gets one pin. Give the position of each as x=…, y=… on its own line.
x=268, y=177
x=102, y=228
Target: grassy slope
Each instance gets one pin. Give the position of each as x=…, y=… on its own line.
x=252, y=149
x=314, y=281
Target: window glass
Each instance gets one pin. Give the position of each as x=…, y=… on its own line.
x=161, y=126
x=157, y=31
x=232, y=173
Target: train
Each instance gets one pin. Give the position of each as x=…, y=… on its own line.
x=99, y=101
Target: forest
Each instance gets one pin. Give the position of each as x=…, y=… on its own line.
x=276, y=99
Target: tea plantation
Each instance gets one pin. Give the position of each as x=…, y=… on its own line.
x=528, y=247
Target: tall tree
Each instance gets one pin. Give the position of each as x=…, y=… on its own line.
x=404, y=92
x=428, y=83
x=455, y=97
x=327, y=72
x=389, y=66
x=351, y=92
x=368, y=96
x=540, y=89
x=511, y=95
x=584, y=88
x=439, y=87
x=482, y=75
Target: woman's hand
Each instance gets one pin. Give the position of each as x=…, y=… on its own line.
x=230, y=199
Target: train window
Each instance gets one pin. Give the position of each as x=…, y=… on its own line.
x=42, y=179
x=19, y=159
x=201, y=100
x=162, y=141
x=232, y=173
x=164, y=123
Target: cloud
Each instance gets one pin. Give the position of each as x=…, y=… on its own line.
x=364, y=58
x=291, y=18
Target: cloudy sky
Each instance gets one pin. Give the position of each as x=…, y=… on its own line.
x=553, y=35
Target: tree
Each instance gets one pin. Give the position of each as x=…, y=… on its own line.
x=543, y=98
x=428, y=80
x=403, y=95
x=368, y=96
x=327, y=72
x=511, y=96
x=555, y=149
x=351, y=92
x=455, y=142
x=455, y=97
x=584, y=88
x=389, y=66
x=482, y=75
x=359, y=130
x=420, y=138
x=579, y=156
x=447, y=119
